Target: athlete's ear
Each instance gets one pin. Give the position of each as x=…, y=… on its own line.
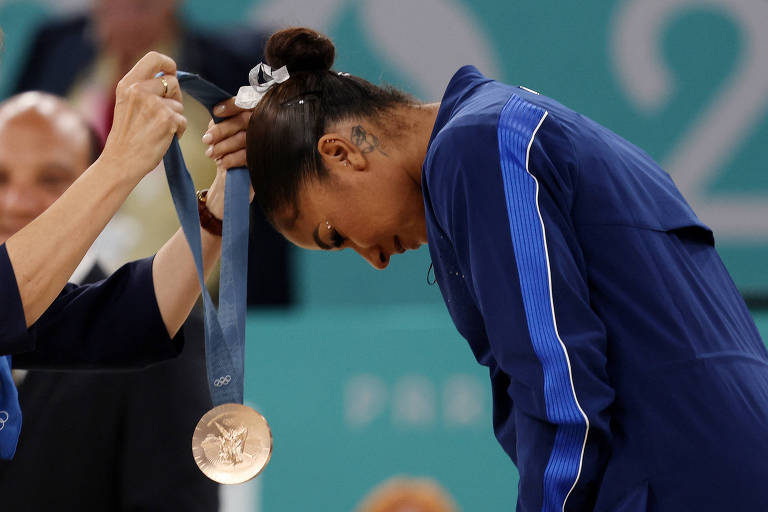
x=339, y=153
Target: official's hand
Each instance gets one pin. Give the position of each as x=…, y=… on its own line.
x=226, y=140
x=146, y=116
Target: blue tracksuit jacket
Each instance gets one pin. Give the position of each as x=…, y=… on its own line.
x=626, y=371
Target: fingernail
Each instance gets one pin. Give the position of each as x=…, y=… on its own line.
x=219, y=109
x=207, y=138
x=209, y=151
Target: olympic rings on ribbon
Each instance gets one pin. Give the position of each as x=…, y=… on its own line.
x=3, y=419
x=222, y=381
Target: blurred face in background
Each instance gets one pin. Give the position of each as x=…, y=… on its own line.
x=408, y=495
x=44, y=147
x=129, y=28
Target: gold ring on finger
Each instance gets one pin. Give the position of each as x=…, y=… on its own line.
x=165, y=84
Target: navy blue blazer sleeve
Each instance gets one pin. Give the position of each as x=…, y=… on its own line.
x=517, y=254
x=13, y=326
x=72, y=331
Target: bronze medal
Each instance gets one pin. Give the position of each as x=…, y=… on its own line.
x=232, y=443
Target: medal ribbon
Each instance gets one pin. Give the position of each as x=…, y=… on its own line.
x=225, y=328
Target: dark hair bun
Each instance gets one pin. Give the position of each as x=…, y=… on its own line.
x=300, y=49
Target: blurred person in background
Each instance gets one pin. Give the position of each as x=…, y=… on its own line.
x=626, y=370
x=115, y=441
x=403, y=494
x=82, y=58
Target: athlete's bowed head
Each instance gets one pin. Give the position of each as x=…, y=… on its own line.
x=335, y=160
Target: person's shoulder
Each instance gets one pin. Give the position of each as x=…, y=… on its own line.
x=488, y=128
x=65, y=28
x=58, y=51
x=224, y=58
x=474, y=105
x=243, y=43
x=471, y=128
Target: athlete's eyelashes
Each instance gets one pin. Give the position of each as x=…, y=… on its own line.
x=336, y=239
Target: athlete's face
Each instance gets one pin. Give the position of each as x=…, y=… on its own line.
x=371, y=207
x=39, y=158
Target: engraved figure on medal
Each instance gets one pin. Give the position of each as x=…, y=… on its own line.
x=228, y=447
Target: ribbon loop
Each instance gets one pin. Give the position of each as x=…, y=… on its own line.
x=262, y=77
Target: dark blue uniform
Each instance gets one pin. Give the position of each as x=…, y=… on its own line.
x=114, y=323
x=626, y=370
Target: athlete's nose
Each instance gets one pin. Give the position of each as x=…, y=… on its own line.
x=374, y=255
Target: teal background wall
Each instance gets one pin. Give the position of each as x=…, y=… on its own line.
x=358, y=394
x=367, y=377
